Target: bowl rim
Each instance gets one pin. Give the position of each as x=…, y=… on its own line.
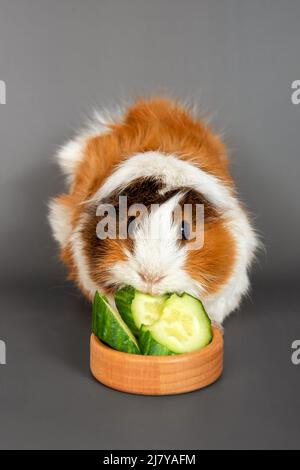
x=217, y=342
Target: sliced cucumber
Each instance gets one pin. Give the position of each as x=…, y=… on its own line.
x=139, y=309
x=150, y=347
x=183, y=326
x=123, y=300
x=108, y=325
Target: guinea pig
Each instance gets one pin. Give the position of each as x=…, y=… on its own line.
x=158, y=154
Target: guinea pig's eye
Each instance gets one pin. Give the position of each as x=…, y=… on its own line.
x=185, y=230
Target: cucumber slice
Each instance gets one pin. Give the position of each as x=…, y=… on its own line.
x=149, y=346
x=183, y=326
x=139, y=309
x=123, y=300
x=108, y=325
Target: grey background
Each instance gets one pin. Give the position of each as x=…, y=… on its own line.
x=60, y=59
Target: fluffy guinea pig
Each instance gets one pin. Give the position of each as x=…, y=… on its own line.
x=158, y=155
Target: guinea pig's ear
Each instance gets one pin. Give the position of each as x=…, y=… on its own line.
x=69, y=156
x=60, y=218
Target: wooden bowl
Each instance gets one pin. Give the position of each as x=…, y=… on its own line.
x=157, y=375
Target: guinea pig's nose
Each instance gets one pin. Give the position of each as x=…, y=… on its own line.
x=149, y=278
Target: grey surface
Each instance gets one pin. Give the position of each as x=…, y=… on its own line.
x=48, y=398
x=59, y=59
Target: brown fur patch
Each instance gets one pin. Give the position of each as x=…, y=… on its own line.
x=101, y=254
x=150, y=125
x=213, y=264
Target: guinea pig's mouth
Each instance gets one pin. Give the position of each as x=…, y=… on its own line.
x=153, y=285
x=111, y=289
x=147, y=287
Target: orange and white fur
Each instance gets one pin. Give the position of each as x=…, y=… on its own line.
x=154, y=151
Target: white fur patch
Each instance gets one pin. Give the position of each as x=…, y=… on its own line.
x=80, y=258
x=221, y=304
x=173, y=171
x=72, y=153
x=69, y=156
x=59, y=217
